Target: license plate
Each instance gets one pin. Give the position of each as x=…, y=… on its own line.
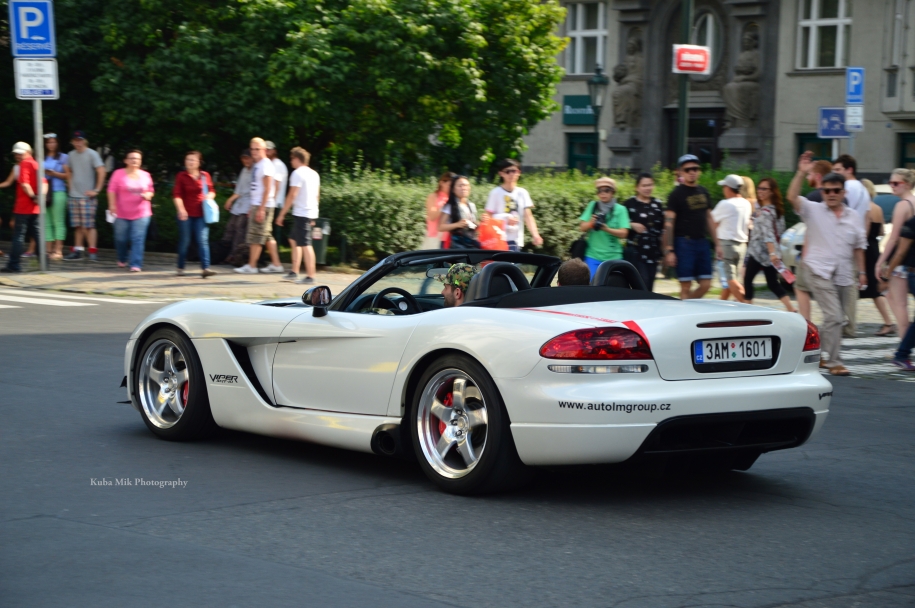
x=721, y=351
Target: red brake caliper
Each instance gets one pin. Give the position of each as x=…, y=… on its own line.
x=184, y=392
x=441, y=423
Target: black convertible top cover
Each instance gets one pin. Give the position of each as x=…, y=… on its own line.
x=558, y=296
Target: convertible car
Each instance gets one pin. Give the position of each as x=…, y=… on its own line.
x=523, y=374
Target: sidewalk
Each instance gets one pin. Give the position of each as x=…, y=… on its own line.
x=159, y=281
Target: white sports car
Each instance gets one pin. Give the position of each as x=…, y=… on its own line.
x=522, y=375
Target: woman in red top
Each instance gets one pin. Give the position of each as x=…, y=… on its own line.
x=192, y=186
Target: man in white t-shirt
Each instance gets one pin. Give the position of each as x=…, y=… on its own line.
x=281, y=179
x=856, y=196
x=304, y=190
x=260, y=217
x=732, y=225
x=512, y=206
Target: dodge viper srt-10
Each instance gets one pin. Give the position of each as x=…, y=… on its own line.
x=523, y=374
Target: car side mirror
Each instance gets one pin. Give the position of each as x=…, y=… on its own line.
x=318, y=298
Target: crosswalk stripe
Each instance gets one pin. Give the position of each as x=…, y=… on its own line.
x=30, y=294
x=42, y=302
x=8, y=306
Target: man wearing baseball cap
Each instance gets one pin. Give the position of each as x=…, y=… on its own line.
x=456, y=281
x=688, y=225
x=732, y=225
x=86, y=176
x=25, y=209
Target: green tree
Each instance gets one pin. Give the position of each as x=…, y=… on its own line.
x=408, y=83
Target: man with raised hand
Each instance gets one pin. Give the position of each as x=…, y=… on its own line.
x=834, y=251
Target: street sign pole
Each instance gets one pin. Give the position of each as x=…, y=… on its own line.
x=39, y=156
x=686, y=7
x=32, y=36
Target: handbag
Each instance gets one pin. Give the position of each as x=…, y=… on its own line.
x=210, y=208
x=578, y=248
x=491, y=236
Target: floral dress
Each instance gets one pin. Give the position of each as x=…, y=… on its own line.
x=767, y=228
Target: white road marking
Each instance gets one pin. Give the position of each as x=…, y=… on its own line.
x=8, y=306
x=41, y=302
x=876, y=341
x=879, y=354
x=30, y=293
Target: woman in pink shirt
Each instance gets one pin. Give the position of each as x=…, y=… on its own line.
x=434, y=204
x=129, y=191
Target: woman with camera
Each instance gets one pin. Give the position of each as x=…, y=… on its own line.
x=607, y=225
x=459, y=216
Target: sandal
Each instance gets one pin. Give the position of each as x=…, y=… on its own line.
x=839, y=370
x=886, y=330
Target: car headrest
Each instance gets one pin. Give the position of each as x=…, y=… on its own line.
x=496, y=279
x=618, y=273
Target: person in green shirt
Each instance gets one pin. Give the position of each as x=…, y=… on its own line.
x=607, y=225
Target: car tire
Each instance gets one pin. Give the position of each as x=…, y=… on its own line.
x=461, y=432
x=170, y=388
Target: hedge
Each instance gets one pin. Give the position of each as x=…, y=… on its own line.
x=378, y=212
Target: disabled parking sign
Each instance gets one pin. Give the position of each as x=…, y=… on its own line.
x=831, y=124
x=32, y=28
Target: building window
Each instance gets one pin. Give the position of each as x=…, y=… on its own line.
x=907, y=150
x=824, y=34
x=586, y=28
x=582, y=151
x=707, y=32
x=821, y=148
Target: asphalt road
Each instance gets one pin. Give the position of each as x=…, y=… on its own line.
x=267, y=522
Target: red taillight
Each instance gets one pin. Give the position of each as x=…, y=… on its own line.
x=598, y=343
x=812, y=341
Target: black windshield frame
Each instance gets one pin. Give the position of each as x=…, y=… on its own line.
x=547, y=265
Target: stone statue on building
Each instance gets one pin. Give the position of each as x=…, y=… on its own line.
x=627, y=98
x=741, y=95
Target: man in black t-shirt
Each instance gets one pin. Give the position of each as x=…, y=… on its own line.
x=688, y=227
x=905, y=256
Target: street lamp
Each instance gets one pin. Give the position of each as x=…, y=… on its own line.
x=596, y=87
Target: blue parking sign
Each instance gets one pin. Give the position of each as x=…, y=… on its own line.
x=831, y=124
x=854, y=86
x=32, y=28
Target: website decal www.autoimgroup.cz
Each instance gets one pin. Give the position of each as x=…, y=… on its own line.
x=615, y=407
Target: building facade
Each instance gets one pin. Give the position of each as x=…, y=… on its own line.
x=774, y=64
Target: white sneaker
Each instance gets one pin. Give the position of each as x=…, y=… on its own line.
x=246, y=269
x=271, y=269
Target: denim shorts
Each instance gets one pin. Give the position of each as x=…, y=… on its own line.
x=694, y=259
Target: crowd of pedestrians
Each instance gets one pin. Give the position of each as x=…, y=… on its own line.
x=73, y=181
x=839, y=262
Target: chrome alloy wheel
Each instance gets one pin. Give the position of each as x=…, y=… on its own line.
x=452, y=423
x=163, y=383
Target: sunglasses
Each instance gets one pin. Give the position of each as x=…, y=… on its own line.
x=763, y=189
x=510, y=171
x=606, y=189
x=690, y=169
x=832, y=190
x=894, y=184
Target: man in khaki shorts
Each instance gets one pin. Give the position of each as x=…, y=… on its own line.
x=260, y=217
x=732, y=221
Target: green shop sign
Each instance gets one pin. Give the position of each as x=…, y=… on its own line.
x=576, y=110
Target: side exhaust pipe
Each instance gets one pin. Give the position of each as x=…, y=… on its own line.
x=386, y=441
